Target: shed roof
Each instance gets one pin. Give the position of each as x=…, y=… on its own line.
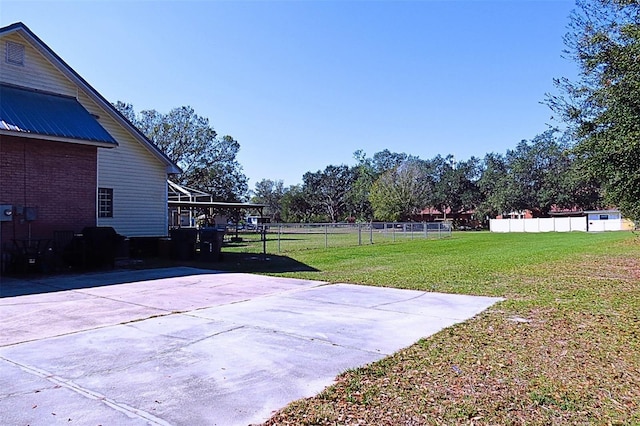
x=32, y=113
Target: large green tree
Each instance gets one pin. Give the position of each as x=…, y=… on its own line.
x=364, y=177
x=602, y=106
x=535, y=178
x=385, y=160
x=328, y=191
x=493, y=186
x=220, y=174
x=367, y=171
x=295, y=207
x=455, y=187
x=401, y=192
x=208, y=161
x=270, y=192
x=538, y=175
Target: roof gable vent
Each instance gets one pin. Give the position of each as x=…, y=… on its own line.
x=15, y=53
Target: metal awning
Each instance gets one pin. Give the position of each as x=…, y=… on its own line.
x=216, y=204
x=188, y=203
x=184, y=196
x=40, y=115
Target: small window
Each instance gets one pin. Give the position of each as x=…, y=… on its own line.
x=15, y=53
x=105, y=202
x=604, y=217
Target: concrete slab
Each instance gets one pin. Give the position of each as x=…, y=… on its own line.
x=38, y=316
x=453, y=306
x=378, y=331
x=28, y=398
x=198, y=291
x=200, y=348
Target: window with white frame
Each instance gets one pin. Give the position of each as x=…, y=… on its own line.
x=105, y=202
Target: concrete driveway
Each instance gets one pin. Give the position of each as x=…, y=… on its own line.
x=184, y=346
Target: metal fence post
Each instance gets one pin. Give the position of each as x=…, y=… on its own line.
x=279, y=232
x=359, y=234
x=326, y=235
x=370, y=232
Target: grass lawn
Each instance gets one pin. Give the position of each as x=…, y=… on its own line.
x=563, y=348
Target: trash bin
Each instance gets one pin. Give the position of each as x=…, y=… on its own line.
x=101, y=245
x=164, y=248
x=183, y=243
x=211, y=244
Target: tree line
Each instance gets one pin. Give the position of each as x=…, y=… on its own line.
x=538, y=175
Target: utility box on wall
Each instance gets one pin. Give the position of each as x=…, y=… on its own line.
x=6, y=212
x=30, y=213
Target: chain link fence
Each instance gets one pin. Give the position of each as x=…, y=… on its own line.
x=278, y=238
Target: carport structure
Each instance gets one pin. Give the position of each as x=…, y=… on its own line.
x=187, y=204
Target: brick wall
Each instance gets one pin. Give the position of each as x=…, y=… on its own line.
x=59, y=179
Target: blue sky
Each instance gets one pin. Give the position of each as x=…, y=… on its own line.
x=304, y=84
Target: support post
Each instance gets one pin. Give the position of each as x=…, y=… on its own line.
x=326, y=235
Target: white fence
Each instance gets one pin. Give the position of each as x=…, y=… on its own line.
x=555, y=224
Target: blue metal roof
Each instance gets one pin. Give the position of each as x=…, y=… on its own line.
x=39, y=113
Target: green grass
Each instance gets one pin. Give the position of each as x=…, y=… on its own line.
x=563, y=348
x=465, y=263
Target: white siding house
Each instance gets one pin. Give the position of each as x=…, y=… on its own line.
x=134, y=172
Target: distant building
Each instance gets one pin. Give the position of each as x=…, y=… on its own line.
x=461, y=220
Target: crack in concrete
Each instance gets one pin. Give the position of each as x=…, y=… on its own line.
x=88, y=393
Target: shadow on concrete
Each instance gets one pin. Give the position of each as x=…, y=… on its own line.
x=148, y=270
x=37, y=284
